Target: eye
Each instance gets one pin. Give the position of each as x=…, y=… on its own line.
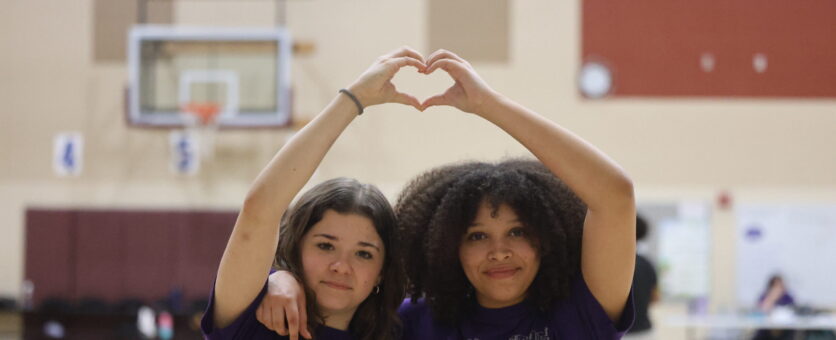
x=365, y=255
x=518, y=232
x=476, y=236
x=325, y=246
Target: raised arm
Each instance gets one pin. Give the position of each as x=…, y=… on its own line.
x=252, y=244
x=609, y=236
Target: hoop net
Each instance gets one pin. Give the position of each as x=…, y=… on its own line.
x=200, y=120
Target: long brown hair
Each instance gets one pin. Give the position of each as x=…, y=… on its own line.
x=376, y=317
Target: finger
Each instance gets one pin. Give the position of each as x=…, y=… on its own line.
x=435, y=54
x=407, y=61
x=455, y=68
x=445, y=54
x=303, y=317
x=292, y=321
x=407, y=99
x=277, y=319
x=259, y=314
x=435, y=100
x=407, y=51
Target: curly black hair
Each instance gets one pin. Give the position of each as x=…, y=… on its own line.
x=436, y=208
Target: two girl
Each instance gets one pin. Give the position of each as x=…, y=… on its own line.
x=539, y=249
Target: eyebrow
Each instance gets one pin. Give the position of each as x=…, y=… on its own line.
x=474, y=224
x=361, y=243
x=367, y=244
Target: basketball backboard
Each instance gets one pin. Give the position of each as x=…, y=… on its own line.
x=245, y=71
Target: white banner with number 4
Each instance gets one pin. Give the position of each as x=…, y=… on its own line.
x=67, y=154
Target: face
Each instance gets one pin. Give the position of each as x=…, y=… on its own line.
x=778, y=284
x=498, y=258
x=342, y=257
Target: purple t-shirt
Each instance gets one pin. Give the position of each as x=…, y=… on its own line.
x=246, y=326
x=785, y=299
x=579, y=316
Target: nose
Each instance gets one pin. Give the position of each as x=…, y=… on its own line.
x=499, y=251
x=340, y=265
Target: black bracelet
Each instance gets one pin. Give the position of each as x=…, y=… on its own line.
x=354, y=99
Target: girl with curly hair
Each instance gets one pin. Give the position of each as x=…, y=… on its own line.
x=339, y=238
x=522, y=249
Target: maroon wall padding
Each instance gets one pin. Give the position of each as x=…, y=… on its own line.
x=150, y=243
x=113, y=255
x=201, y=244
x=653, y=47
x=99, y=256
x=50, y=262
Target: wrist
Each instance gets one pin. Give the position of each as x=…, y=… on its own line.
x=356, y=101
x=493, y=103
x=344, y=107
x=360, y=94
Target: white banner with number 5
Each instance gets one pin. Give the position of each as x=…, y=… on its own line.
x=184, y=147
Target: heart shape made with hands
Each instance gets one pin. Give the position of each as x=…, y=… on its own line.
x=422, y=86
x=468, y=92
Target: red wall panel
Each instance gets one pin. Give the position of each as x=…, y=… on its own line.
x=654, y=47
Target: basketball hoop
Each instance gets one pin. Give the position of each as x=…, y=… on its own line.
x=201, y=121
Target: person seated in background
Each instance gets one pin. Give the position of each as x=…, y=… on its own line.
x=775, y=295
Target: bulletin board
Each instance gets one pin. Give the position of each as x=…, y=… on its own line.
x=796, y=241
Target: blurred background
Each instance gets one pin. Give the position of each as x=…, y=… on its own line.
x=131, y=131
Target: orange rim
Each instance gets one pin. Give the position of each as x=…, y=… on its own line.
x=205, y=112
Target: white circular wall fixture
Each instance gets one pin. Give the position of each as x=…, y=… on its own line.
x=595, y=80
x=707, y=62
x=759, y=62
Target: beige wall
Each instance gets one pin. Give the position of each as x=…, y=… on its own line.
x=759, y=150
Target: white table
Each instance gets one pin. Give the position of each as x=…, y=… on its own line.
x=750, y=322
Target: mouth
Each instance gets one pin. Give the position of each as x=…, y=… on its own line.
x=336, y=285
x=501, y=272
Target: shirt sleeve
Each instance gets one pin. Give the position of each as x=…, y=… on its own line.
x=593, y=316
x=245, y=326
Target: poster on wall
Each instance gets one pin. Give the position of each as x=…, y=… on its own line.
x=679, y=245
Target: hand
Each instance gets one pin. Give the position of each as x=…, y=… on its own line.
x=375, y=85
x=283, y=308
x=469, y=93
